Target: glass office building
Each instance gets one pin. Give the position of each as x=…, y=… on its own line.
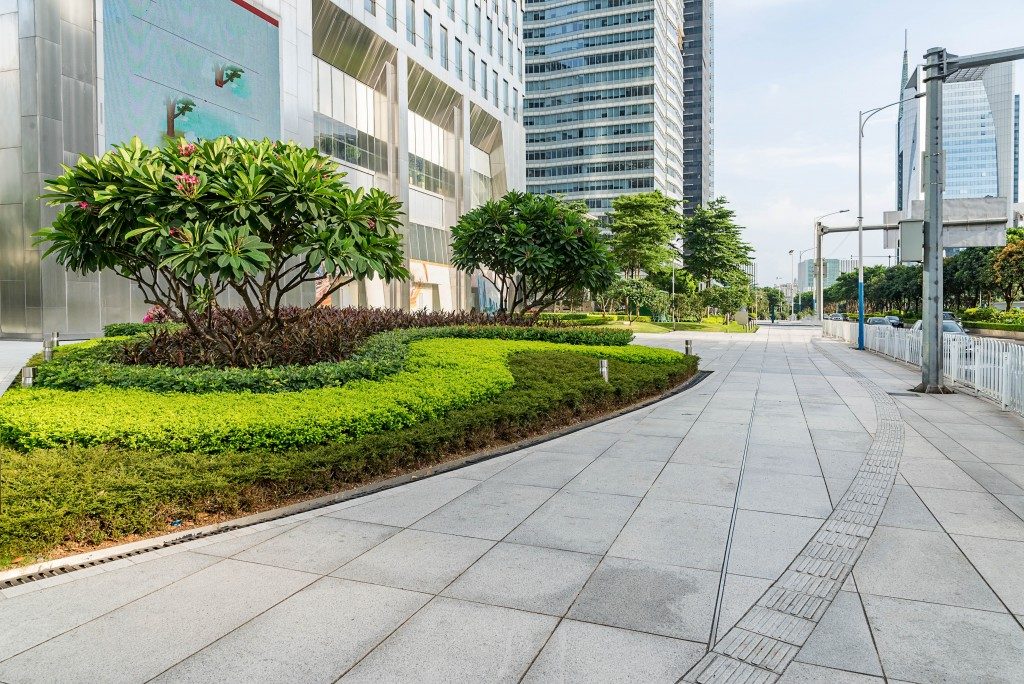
x=978, y=138
x=391, y=91
x=604, y=100
x=698, y=103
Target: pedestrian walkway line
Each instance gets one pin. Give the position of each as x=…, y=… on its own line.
x=768, y=637
x=720, y=596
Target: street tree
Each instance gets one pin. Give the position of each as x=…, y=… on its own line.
x=191, y=222
x=1008, y=268
x=713, y=244
x=534, y=249
x=643, y=227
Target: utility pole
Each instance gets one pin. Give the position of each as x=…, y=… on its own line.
x=939, y=65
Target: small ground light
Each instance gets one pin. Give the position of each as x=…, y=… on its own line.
x=28, y=374
x=688, y=345
x=47, y=349
x=55, y=339
x=603, y=366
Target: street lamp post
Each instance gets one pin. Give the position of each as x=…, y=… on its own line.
x=863, y=118
x=819, y=277
x=792, y=279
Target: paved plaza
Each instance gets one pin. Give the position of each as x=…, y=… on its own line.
x=798, y=514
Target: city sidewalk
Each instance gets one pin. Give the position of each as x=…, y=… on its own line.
x=13, y=355
x=616, y=553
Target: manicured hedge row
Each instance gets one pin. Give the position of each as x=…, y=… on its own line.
x=440, y=375
x=76, y=495
x=85, y=365
x=129, y=329
x=989, y=325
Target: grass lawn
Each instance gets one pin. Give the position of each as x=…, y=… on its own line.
x=635, y=326
x=706, y=326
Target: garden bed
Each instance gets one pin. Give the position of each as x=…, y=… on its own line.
x=84, y=467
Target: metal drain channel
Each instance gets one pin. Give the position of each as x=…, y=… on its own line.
x=771, y=633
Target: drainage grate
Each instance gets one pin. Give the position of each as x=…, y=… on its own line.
x=903, y=394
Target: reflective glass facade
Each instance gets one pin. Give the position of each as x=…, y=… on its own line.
x=978, y=139
x=604, y=83
x=389, y=94
x=698, y=103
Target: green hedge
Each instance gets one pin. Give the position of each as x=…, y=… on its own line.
x=85, y=365
x=440, y=375
x=75, y=495
x=989, y=325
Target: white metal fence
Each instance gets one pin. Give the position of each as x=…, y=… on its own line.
x=991, y=367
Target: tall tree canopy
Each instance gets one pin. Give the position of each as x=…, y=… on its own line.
x=643, y=226
x=713, y=245
x=534, y=249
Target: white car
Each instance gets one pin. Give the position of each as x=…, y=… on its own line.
x=948, y=327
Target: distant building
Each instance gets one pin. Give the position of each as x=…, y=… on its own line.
x=831, y=270
x=978, y=137
x=698, y=103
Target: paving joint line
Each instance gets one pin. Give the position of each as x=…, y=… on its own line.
x=762, y=644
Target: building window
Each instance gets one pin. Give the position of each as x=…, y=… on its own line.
x=483, y=78
x=504, y=93
x=494, y=87
x=410, y=21
x=471, y=65
x=476, y=22
x=515, y=17
x=443, y=48
x=490, y=36
x=458, y=58
x=465, y=16
x=508, y=50
x=370, y=6
x=451, y=8
x=501, y=42
x=515, y=104
x=393, y=15
x=428, y=33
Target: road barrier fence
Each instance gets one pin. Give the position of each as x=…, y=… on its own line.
x=992, y=368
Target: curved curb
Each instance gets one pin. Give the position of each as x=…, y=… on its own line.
x=771, y=633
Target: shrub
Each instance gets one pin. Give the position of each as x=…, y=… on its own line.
x=89, y=364
x=325, y=334
x=87, y=495
x=187, y=223
x=440, y=375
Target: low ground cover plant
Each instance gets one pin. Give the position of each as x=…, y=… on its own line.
x=68, y=497
x=440, y=374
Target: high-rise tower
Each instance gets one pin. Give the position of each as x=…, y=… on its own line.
x=698, y=102
x=604, y=109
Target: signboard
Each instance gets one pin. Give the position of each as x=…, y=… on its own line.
x=911, y=240
x=192, y=68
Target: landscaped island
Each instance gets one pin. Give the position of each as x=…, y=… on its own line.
x=100, y=449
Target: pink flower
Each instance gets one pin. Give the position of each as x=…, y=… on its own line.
x=186, y=149
x=372, y=223
x=83, y=205
x=187, y=184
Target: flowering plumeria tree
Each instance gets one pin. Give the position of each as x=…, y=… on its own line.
x=189, y=222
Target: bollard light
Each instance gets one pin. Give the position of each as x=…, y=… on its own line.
x=603, y=366
x=48, y=349
x=55, y=339
x=28, y=373
x=688, y=346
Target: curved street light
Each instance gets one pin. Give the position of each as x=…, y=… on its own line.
x=863, y=118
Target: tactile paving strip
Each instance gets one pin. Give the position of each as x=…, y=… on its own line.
x=771, y=633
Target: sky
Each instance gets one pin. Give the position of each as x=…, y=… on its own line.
x=790, y=78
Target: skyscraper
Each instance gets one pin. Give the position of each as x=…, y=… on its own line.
x=413, y=98
x=604, y=99
x=977, y=136
x=698, y=102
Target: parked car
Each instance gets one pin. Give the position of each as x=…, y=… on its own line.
x=949, y=316
x=948, y=327
x=878, y=320
x=894, y=321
